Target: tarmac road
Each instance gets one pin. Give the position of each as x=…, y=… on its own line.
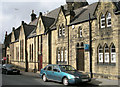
x=32, y=80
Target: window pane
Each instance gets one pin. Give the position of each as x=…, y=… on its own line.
x=80, y=33
x=106, y=57
x=113, y=57
x=102, y=21
x=100, y=57
x=49, y=68
x=65, y=55
x=62, y=55
x=108, y=20
x=58, y=55
x=63, y=31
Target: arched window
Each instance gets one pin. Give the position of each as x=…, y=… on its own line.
x=108, y=19
x=100, y=54
x=113, y=54
x=63, y=30
x=60, y=32
x=102, y=21
x=106, y=50
x=58, y=59
x=65, y=55
x=80, y=32
x=61, y=55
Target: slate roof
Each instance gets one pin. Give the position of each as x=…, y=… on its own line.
x=7, y=40
x=82, y=14
x=28, y=29
x=47, y=21
x=54, y=13
x=32, y=34
x=17, y=32
x=34, y=22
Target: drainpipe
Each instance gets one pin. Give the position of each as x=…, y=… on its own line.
x=41, y=50
x=68, y=45
x=90, y=47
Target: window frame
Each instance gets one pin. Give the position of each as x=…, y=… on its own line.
x=63, y=30
x=102, y=18
x=65, y=55
x=58, y=58
x=100, y=54
x=62, y=55
x=60, y=31
x=106, y=54
x=113, y=53
x=107, y=19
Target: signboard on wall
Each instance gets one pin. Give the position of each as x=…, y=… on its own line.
x=86, y=47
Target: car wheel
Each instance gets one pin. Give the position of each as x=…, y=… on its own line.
x=44, y=78
x=65, y=81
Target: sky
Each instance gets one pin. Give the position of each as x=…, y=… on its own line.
x=12, y=12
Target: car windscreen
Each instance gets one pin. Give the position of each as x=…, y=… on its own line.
x=66, y=68
x=9, y=66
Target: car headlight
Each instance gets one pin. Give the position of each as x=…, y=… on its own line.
x=77, y=77
x=71, y=77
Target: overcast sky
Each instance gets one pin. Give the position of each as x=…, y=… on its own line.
x=12, y=12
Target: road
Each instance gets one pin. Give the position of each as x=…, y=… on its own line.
x=30, y=80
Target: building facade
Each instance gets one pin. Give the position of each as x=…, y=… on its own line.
x=63, y=37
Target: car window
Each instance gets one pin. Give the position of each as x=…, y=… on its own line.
x=45, y=68
x=66, y=68
x=49, y=68
x=56, y=68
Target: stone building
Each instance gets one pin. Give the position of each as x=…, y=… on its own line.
x=63, y=37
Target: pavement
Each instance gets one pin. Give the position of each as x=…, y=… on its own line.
x=95, y=81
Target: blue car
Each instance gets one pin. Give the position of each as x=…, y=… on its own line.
x=63, y=73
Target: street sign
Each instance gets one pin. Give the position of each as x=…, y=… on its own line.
x=4, y=58
x=86, y=46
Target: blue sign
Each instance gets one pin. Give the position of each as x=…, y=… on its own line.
x=86, y=47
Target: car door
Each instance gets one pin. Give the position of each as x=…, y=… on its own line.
x=49, y=72
x=56, y=73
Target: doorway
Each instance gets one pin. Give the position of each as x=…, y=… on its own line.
x=80, y=59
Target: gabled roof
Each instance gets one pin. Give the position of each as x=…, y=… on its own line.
x=28, y=29
x=32, y=34
x=7, y=40
x=47, y=21
x=17, y=32
x=54, y=13
x=82, y=14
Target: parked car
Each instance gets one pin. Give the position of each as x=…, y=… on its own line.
x=63, y=73
x=9, y=69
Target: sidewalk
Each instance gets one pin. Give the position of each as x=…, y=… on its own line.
x=95, y=81
x=105, y=82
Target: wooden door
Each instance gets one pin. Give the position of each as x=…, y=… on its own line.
x=40, y=62
x=80, y=59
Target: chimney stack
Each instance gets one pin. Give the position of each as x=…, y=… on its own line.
x=6, y=34
x=13, y=28
x=40, y=14
x=22, y=22
x=33, y=16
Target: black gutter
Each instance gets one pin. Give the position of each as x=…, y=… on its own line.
x=90, y=43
